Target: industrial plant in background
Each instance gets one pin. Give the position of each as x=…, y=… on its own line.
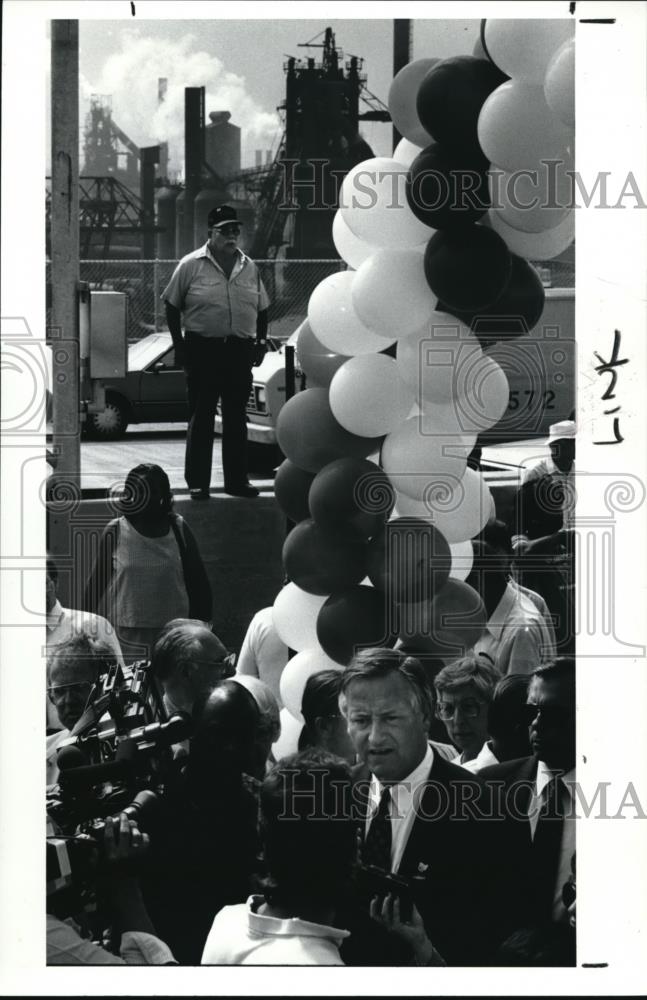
x=129, y=207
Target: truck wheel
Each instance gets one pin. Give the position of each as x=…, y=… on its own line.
x=110, y=423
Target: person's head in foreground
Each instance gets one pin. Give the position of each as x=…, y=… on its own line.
x=72, y=670
x=225, y=741
x=308, y=834
x=387, y=703
x=325, y=726
x=506, y=718
x=464, y=690
x=550, y=713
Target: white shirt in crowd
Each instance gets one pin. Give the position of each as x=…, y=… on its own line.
x=405, y=798
x=240, y=936
x=263, y=654
x=517, y=637
x=484, y=758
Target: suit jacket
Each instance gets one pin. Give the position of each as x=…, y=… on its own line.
x=453, y=851
x=512, y=785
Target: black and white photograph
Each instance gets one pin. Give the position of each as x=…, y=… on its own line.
x=323, y=498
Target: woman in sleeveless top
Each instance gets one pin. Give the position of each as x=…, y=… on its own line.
x=148, y=568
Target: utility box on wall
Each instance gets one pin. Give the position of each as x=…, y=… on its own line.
x=108, y=335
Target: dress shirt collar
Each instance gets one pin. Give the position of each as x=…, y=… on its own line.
x=545, y=775
x=258, y=923
x=54, y=616
x=241, y=259
x=405, y=793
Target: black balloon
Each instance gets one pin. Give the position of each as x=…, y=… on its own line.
x=322, y=561
x=409, y=560
x=291, y=488
x=515, y=313
x=451, y=96
x=353, y=619
x=468, y=268
x=446, y=189
x=352, y=491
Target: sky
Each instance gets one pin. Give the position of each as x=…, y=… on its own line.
x=241, y=64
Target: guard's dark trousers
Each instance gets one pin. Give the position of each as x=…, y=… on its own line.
x=217, y=370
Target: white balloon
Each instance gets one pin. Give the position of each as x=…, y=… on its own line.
x=523, y=49
x=349, y=247
x=413, y=460
x=295, y=616
x=288, y=741
x=390, y=293
x=374, y=205
x=368, y=397
x=535, y=246
x=431, y=360
x=559, y=85
x=462, y=559
x=532, y=204
x=459, y=510
x=334, y=321
x=406, y=152
x=402, y=100
x=517, y=129
x=482, y=394
x=295, y=675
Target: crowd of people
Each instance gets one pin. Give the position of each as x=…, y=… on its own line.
x=423, y=816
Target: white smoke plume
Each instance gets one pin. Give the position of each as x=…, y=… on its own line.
x=131, y=77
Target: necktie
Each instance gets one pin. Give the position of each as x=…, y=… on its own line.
x=546, y=844
x=377, y=846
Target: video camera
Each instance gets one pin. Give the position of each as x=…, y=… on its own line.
x=119, y=747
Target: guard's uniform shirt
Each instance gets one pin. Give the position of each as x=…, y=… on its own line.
x=213, y=305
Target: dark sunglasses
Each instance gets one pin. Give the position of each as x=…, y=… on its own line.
x=550, y=715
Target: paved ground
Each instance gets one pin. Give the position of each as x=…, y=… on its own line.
x=105, y=463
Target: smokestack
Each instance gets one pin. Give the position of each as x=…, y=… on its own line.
x=259, y=157
x=193, y=156
x=162, y=85
x=268, y=156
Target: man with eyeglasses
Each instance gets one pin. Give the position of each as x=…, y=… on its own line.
x=538, y=793
x=187, y=661
x=218, y=293
x=72, y=670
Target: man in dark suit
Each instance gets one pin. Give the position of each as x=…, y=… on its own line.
x=537, y=793
x=420, y=816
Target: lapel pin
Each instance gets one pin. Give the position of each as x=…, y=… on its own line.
x=422, y=867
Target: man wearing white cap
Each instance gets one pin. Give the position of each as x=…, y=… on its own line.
x=541, y=518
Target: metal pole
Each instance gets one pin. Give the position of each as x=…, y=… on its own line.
x=156, y=291
x=401, y=55
x=65, y=268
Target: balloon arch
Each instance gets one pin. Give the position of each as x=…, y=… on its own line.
x=435, y=237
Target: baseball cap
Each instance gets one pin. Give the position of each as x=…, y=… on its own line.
x=561, y=430
x=221, y=216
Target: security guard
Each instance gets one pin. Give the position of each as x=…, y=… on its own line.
x=218, y=292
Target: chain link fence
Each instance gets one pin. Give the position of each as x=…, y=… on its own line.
x=289, y=284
